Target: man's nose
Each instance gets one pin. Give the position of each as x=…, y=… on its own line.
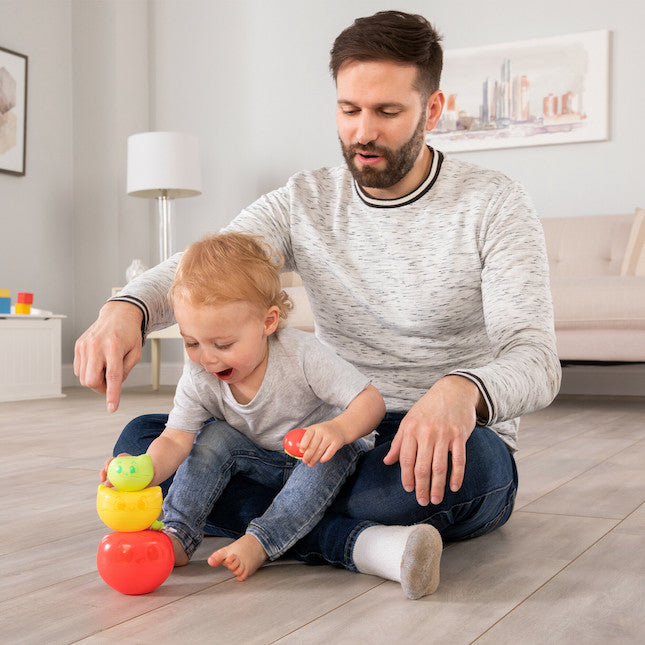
x=366, y=131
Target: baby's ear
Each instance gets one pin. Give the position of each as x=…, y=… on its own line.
x=271, y=320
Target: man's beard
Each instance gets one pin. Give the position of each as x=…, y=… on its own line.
x=398, y=163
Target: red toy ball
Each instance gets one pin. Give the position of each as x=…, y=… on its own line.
x=135, y=563
x=291, y=442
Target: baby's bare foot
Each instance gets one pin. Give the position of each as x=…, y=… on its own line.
x=181, y=559
x=243, y=557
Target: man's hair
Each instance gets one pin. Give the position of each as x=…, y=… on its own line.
x=231, y=267
x=395, y=36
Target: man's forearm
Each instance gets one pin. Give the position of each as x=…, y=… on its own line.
x=149, y=293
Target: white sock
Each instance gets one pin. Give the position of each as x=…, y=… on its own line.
x=410, y=555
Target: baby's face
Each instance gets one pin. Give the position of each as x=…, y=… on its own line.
x=227, y=340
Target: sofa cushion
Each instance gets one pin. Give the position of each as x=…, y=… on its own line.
x=604, y=345
x=634, y=260
x=589, y=245
x=608, y=302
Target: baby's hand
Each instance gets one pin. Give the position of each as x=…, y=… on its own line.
x=321, y=442
x=103, y=474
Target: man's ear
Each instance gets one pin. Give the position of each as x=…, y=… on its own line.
x=271, y=320
x=435, y=108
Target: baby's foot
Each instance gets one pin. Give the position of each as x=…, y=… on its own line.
x=243, y=557
x=181, y=559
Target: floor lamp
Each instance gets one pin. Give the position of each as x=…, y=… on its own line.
x=164, y=165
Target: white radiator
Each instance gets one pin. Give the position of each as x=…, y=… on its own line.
x=30, y=357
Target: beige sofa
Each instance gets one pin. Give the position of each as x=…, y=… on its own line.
x=597, y=266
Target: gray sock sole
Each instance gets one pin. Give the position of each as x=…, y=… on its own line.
x=421, y=561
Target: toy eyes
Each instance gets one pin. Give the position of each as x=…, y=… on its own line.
x=119, y=470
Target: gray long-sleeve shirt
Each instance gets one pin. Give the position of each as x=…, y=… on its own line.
x=450, y=279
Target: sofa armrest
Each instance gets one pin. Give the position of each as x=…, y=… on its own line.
x=301, y=316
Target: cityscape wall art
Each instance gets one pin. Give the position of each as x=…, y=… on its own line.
x=529, y=93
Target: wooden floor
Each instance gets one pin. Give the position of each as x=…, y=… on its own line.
x=569, y=567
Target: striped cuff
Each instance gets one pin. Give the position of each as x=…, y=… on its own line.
x=142, y=306
x=483, y=391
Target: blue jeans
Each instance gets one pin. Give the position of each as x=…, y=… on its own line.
x=372, y=495
x=302, y=494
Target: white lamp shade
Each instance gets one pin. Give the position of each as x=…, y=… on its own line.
x=163, y=163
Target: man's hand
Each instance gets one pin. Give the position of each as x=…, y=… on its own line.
x=435, y=430
x=106, y=353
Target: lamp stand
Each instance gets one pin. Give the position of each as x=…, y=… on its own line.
x=164, y=204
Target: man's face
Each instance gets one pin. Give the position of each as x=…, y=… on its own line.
x=381, y=121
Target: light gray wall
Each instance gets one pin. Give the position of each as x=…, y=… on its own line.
x=262, y=101
x=249, y=78
x=36, y=211
x=111, y=101
x=68, y=229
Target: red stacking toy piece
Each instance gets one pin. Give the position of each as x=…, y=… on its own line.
x=291, y=442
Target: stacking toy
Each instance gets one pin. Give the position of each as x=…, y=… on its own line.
x=133, y=559
x=291, y=442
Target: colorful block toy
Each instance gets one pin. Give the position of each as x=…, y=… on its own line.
x=24, y=302
x=5, y=301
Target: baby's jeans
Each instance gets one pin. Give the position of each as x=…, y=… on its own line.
x=302, y=493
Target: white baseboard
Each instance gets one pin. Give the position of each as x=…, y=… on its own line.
x=141, y=374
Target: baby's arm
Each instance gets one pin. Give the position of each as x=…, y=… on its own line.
x=362, y=415
x=168, y=451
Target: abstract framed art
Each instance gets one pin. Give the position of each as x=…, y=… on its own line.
x=13, y=111
x=528, y=93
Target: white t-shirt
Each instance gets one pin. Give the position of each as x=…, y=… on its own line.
x=305, y=383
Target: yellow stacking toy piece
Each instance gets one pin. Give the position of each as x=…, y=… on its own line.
x=129, y=511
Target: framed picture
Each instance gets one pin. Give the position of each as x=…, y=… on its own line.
x=13, y=111
x=527, y=93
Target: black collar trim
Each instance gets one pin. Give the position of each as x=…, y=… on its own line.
x=417, y=193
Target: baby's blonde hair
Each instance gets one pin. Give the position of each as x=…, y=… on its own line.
x=231, y=267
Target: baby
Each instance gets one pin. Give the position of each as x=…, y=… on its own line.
x=249, y=381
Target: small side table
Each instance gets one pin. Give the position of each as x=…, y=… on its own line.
x=30, y=351
x=155, y=338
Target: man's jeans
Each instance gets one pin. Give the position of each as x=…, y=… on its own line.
x=372, y=495
x=302, y=493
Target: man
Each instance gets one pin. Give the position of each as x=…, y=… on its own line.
x=428, y=274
